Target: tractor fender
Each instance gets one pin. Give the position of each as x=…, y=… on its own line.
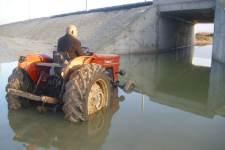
x=29, y=65
x=76, y=63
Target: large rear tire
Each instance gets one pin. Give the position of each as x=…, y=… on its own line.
x=87, y=91
x=18, y=80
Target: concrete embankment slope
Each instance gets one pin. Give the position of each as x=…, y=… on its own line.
x=121, y=31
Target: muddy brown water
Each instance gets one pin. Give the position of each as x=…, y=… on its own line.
x=179, y=104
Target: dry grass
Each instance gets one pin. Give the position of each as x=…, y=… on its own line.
x=203, y=38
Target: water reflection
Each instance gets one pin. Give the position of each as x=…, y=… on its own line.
x=171, y=79
x=217, y=88
x=50, y=131
x=202, y=56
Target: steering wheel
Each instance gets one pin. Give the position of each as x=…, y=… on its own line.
x=87, y=51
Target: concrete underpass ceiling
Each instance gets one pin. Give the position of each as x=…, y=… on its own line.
x=193, y=16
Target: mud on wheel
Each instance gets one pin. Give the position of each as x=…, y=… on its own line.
x=18, y=80
x=86, y=92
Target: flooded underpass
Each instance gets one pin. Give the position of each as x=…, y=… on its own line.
x=178, y=103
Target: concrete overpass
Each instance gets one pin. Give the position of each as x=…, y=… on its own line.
x=177, y=17
x=188, y=10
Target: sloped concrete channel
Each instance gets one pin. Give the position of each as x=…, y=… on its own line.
x=104, y=30
x=135, y=28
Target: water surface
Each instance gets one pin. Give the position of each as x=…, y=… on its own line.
x=179, y=104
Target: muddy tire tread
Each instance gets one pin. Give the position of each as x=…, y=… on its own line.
x=76, y=89
x=18, y=80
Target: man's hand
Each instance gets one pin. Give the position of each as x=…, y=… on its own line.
x=89, y=53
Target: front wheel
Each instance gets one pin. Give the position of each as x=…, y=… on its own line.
x=87, y=91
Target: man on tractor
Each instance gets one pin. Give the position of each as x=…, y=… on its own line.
x=81, y=86
x=69, y=45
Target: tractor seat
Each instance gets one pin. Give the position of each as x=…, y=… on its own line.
x=59, y=57
x=55, y=69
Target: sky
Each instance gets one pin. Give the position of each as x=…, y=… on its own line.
x=207, y=27
x=18, y=10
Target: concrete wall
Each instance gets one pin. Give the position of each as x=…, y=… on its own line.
x=142, y=29
x=217, y=86
x=219, y=32
x=174, y=1
x=139, y=36
x=173, y=33
x=153, y=32
x=186, y=5
x=104, y=31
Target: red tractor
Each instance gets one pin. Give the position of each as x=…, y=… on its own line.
x=81, y=87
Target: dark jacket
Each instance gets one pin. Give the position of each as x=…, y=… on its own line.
x=70, y=46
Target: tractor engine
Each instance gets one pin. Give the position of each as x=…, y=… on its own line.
x=54, y=86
